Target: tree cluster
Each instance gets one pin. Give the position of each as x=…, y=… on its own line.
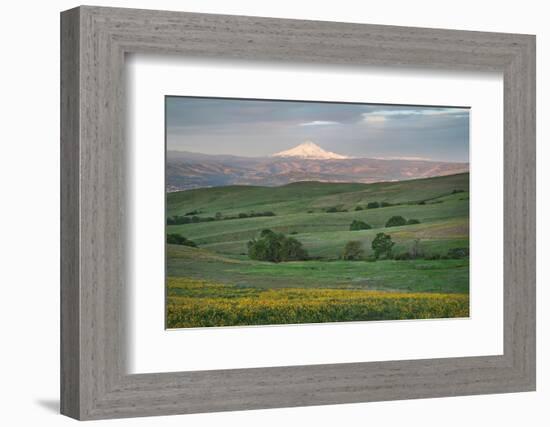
x=276, y=247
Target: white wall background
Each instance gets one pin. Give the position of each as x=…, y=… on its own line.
x=29, y=233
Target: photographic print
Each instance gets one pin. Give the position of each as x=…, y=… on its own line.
x=291, y=212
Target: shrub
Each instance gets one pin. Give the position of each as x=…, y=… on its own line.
x=385, y=204
x=416, y=251
x=422, y=202
x=332, y=209
x=413, y=221
x=358, y=208
x=178, y=239
x=177, y=220
x=275, y=247
x=457, y=253
x=396, y=221
x=359, y=225
x=353, y=251
x=382, y=245
x=373, y=205
x=433, y=257
x=404, y=256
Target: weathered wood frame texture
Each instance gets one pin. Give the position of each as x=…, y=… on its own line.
x=94, y=41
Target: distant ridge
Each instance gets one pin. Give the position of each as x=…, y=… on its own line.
x=306, y=162
x=310, y=150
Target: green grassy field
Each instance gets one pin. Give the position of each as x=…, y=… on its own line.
x=216, y=284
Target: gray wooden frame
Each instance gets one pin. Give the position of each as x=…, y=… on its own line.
x=94, y=382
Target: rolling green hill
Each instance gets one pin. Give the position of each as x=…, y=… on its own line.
x=443, y=216
x=218, y=280
x=302, y=196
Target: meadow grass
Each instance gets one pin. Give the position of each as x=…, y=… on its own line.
x=446, y=276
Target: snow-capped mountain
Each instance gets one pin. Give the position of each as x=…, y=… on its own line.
x=310, y=150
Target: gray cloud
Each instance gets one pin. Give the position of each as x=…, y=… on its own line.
x=259, y=128
x=319, y=123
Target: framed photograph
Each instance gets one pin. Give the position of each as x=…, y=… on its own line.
x=260, y=233
x=262, y=213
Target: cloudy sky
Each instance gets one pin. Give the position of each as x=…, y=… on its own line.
x=260, y=128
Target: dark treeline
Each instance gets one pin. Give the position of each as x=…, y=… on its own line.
x=186, y=219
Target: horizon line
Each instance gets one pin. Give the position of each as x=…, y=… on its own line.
x=270, y=156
